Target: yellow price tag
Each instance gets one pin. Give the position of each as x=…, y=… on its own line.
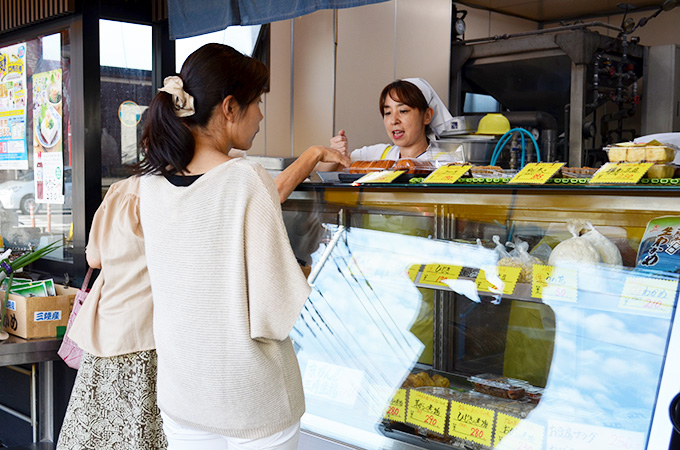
x=504, y=425
x=447, y=174
x=433, y=274
x=554, y=283
x=508, y=275
x=381, y=176
x=536, y=173
x=518, y=433
x=397, y=409
x=649, y=295
x=427, y=411
x=620, y=173
x=472, y=423
x=413, y=272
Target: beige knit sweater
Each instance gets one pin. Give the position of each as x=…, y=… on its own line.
x=227, y=291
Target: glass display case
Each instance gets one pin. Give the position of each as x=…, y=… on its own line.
x=487, y=317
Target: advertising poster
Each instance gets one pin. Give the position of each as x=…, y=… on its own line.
x=13, y=150
x=48, y=160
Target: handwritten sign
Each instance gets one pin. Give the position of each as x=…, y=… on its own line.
x=472, y=423
x=427, y=411
x=433, y=274
x=650, y=295
x=578, y=436
x=504, y=425
x=447, y=174
x=413, y=272
x=397, y=409
x=536, y=173
x=620, y=173
x=508, y=275
x=518, y=434
x=381, y=176
x=554, y=283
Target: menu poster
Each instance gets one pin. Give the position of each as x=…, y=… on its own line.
x=47, y=137
x=13, y=150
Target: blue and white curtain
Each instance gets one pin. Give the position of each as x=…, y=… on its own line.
x=191, y=18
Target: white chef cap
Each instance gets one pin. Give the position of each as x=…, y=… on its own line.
x=441, y=114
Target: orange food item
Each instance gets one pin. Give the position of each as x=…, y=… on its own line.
x=412, y=165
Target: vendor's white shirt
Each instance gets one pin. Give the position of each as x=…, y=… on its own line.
x=375, y=152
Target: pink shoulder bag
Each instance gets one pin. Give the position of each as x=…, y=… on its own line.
x=69, y=350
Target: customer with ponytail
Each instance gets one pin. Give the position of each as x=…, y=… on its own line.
x=227, y=288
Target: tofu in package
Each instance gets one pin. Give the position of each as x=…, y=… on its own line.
x=652, y=151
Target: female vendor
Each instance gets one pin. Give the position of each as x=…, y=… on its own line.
x=413, y=114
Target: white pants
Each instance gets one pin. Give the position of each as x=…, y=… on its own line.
x=183, y=438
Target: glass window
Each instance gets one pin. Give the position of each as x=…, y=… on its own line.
x=242, y=39
x=35, y=144
x=126, y=91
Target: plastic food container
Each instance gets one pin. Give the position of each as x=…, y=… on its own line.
x=414, y=166
x=633, y=153
x=498, y=386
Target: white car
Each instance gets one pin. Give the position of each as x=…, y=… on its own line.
x=20, y=193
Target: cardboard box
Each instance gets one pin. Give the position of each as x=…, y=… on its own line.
x=38, y=317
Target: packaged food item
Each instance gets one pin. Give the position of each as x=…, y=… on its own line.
x=635, y=154
x=585, y=245
x=578, y=172
x=517, y=257
x=653, y=151
x=415, y=166
x=659, y=153
x=498, y=386
x=660, y=245
x=423, y=379
x=661, y=171
x=371, y=166
x=381, y=164
x=617, y=154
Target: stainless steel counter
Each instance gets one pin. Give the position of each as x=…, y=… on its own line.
x=14, y=351
x=39, y=353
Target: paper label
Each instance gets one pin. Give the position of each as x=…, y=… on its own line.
x=518, y=434
x=447, y=174
x=504, y=425
x=433, y=274
x=620, y=173
x=397, y=409
x=413, y=272
x=46, y=316
x=651, y=295
x=427, y=411
x=554, y=283
x=471, y=423
x=381, y=176
x=508, y=275
x=536, y=173
x=11, y=305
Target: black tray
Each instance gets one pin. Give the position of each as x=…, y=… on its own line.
x=402, y=432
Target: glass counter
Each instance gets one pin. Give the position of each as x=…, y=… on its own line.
x=438, y=318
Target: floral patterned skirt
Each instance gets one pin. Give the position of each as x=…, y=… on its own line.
x=113, y=405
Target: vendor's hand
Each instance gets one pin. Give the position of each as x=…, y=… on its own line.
x=333, y=155
x=339, y=143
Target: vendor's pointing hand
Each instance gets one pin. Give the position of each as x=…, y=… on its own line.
x=339, y=143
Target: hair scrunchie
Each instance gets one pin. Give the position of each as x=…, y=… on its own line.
x=183, y=102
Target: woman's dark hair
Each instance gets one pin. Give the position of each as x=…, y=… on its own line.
x=405, y=92
x=209, y=74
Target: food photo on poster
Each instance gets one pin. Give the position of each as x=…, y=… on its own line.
x=48, y=163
